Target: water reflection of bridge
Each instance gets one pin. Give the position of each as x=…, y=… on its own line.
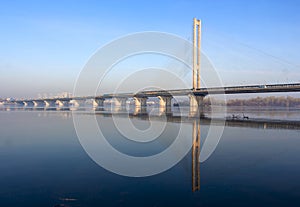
x=196, y=132
x=170, y=117
x=248, y=123
x=195, y=155
x=195, y=121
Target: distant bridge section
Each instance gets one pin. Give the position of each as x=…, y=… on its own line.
x=165, y=96
x=271, y=88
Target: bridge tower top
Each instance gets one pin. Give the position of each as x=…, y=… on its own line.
x=196, y=53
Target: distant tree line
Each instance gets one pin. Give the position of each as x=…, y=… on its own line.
x=266, y=101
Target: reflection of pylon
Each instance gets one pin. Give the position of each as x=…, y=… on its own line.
x=195, y=156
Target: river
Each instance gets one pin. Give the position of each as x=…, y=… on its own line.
x=255, y=162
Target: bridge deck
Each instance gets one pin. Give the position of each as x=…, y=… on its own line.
x=295, y=87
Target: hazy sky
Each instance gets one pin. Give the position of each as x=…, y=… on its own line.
x=45, y=44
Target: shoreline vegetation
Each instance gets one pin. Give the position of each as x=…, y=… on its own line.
x=270, y=101
x=266, y=101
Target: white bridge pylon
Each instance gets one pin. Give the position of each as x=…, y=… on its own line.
x=196, y=53
x=195, y=93
x=196, y=102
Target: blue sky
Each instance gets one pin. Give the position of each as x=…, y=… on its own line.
x=45, y=44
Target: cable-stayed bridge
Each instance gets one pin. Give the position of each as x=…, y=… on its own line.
x=195, y=94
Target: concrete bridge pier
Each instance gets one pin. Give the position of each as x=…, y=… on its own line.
x=140, y=105
x=49, y=103
x=62, y=103
x=140, y=111
x=28, y=103
x=165, y=104
x=98, y=102
x=140, y=102
x=19, y=103
x=196, y=105
x=78, y=102
x=120, y=102
x=38, y=103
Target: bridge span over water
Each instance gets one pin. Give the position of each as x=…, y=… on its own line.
x=165, y=96
x=195, y=94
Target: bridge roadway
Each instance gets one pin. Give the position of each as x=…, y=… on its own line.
x=294, y=87
x=165, y=96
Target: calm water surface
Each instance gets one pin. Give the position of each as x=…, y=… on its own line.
x=43, y=164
